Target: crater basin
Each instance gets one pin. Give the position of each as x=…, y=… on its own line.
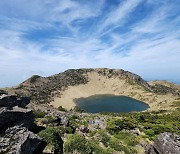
x=110, y=103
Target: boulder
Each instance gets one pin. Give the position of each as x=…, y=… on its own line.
x=16, y=116
x=18, y=140
x=11, y=101
x=84, y=129
x=15, y=123
x=64, y=121
x=135, y=131
x=56, y=121
x=165, y=143
x=100, y=122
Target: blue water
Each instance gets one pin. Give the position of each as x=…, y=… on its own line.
x=110, y=103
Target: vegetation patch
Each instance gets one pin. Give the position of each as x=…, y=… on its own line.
x=60, y=108
x=39, y=114
x=34, y=78
x=76, y=142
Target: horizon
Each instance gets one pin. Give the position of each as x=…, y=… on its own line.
x=148, y=80
x=46, y=37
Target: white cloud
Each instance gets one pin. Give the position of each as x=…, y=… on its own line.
x=117, y=16
x=20, y=58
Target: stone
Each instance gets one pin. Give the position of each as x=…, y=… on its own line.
x=165, y=143
x=11, y=101
x=19, y=140
x=149, y=149
x=16, y=116
x=100, y=122
x=56, y=121
x=84, y=129
x=15, y=122
x=135, y=131
x=64, y=121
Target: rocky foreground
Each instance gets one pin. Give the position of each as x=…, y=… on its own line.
x=43, y=129
x=16, y=126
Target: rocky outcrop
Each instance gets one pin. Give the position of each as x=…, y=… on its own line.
x=16, y=121
x=11, y=101
x=165, y=143
x=19, y=140
x=99, y=122
x=16, y=116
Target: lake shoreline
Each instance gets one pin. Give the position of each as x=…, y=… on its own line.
x=110, y=103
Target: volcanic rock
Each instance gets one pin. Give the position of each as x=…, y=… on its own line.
x=18, y=140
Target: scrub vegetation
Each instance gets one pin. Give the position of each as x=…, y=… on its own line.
x=114, y=133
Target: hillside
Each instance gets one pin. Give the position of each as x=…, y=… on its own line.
x=61, y=89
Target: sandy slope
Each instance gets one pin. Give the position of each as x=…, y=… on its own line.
x=102, y=85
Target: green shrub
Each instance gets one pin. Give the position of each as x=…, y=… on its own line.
x=78, y=109
x=50, y=119
x=97, y=149
x=103, y=137
x=114, y=143
x=127, y=138
x=76, y=142
x=119, y=124
x=39, y=114
x=60, y=108
x=69, y=130
x=53, y=137
x=117, y=145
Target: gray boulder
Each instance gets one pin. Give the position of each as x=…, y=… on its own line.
x=165, y=143
x=18, y=140
x=64, y=121
x=16, y=116
x=100, y=122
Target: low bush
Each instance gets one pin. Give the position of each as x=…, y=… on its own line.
x=60, y=108
x=53, y=137
x=39, y=114
x=115, y=124
x=78, y=109
x=103, y=137
x=127, y=138
x=76, y=142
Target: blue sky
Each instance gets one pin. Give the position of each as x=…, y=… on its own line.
x=49, y=36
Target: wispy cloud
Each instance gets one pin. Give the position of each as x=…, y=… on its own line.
x=45, y=37
x=119, y=15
